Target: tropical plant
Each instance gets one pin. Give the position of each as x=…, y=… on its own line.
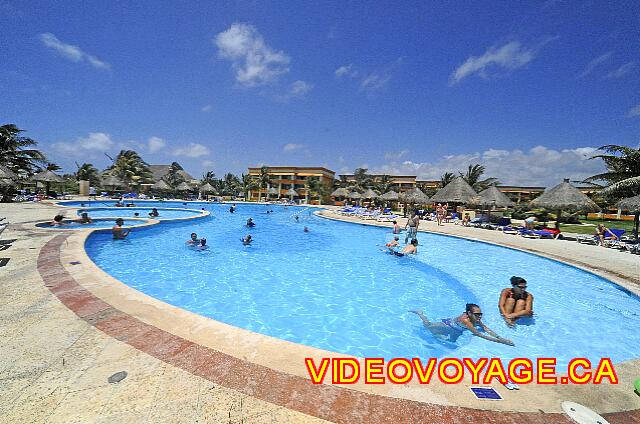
x=622, y=178
x=174, y=178
x=473, y=175
x=209, y=177
x=88, y=172
x=230, y=185
x=383, y=184
x=263, y=181
x=363, y=180
x=247, y=183
x=446, y=178
x=313, y=189
x=130, y=169
x=52, y=167
x=17, y=153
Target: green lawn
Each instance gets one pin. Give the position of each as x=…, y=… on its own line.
x=589, y=229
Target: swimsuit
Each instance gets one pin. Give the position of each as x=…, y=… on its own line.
x=454, y=324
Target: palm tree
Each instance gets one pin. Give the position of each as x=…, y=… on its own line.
x=230, y=184
x=16, y=152
x=384, y=184
x=446, y=178
x=248, y=183
x=209, y=177
x=263, y=180
x=88, y=172
x=174, y=178
x=473, y=175
x=130, y=168
x=363, y=180
x=622, y=178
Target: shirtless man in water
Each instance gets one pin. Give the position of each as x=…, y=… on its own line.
x=118, y=232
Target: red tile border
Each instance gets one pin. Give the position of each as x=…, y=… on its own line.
x=331, y=403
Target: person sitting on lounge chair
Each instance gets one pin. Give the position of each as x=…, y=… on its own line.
x=602, y=232
x=466, y=220
x=515, y=302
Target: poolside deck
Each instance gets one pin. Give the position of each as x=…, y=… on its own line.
x=66, y=328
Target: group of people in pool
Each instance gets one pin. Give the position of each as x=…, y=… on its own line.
x=515, y=302
x=198, y=243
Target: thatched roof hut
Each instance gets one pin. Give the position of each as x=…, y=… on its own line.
x=390, y=196
x=161, y=185
x=492, y=197
x=370, y=194
x=340, y=192
x=457, y=191
x=7, y=174
x=355, y=195
x=207, y=188
x=47, y=177
x=414, y=196
x=564, y=196
x=184, y=187
x=632, y=204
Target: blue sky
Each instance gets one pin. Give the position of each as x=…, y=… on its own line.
x=528, y=89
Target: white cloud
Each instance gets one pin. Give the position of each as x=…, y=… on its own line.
x=396, y=155
x=207, y=108
x=207, y=163
x=594, y=64
x=539, y=166
x=379, y=78
x=510, y=56
x=192, y=150
x=71, y=52
x=91, y=145
x=291, y=147
x=254, y=62
x=622, y=70
x=634, y=111
x=346, y=71
x=300, y=88
x=156, y=144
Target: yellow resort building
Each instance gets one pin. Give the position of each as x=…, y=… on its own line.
x=285, y=178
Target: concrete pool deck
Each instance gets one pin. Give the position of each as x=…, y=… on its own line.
x=71, y=326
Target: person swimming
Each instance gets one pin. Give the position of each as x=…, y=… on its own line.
x=232, y=209
x=247, y=240
x=393, y=244
x=450, y=329
x=154, y=213
x=515, y=302
x=118, y=232
x=250, y=223
x=136, y=214
x=409, y=249
x=193, y=241
x=306, y=229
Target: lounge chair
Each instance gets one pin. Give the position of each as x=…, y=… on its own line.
x=537, y=234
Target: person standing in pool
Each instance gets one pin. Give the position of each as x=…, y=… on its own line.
x=154, y=213
x=450, y=329
x=515, y=302
x=247, y=240
x=232, y=209
x=193, y=241
x=57, y=221
x=396, y=227
x=203, y=244
x=412, y=225
x=250, y=223
x=118, y=232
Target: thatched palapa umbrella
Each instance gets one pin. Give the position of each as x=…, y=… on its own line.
x=47, y=177
x=272, y=190
x=340, y=192
x=564, y=196
x=111, y=181
x=457, y=191
x=291, y=192
x=208, y=188
x=415, y=196
x=183, y=187
x=492, y=198
x=632, y=204
x=370, y=194
x=7, y=174
x=161, y=185
x=390, y=196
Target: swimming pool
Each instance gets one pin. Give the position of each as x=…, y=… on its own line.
x=101, y=223
x=165, y=213
x=333, y=288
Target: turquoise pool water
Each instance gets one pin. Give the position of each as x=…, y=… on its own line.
x=108, y=223
x=334, y=289
x=142, y=212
